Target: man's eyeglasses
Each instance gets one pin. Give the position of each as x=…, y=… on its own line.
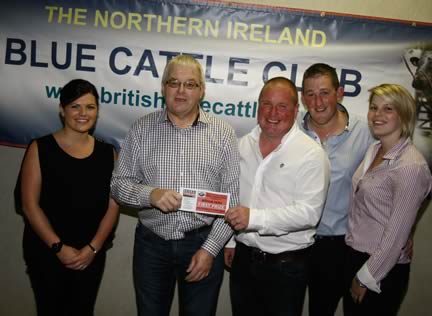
x=175, y=84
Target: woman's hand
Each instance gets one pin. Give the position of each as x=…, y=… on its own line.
x=358, y=290
x=68, y=255
x=76, y=259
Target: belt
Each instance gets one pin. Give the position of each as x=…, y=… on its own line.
x=257, y=255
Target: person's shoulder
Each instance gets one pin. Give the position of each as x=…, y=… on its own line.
x=359, y=132
x=306, y=139
x=104, y=148
x=309, y=150
x=43, y=140
x=148, y=120
x=250, y=137
x=358, y=123
x=44, y=137
x=412, y=156
x=216, y=123
x=212, y=119
x=151, y=117
x=305, y=144
x=407, y=161
x=412, y=164
x=103, y=143
x=35, y=143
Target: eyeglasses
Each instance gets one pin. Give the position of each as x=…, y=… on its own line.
x=175, y=84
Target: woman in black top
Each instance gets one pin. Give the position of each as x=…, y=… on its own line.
x=70, y=217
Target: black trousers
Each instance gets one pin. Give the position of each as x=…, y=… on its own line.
x=60, y=291
x=326, y=283
x=393, y=289
x=261, y=287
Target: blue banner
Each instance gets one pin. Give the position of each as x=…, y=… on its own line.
x=123, y=46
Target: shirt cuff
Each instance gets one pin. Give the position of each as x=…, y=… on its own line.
x=145, y=195
x=214, y=246
x=368, y=280
x=231, y=243
x=256, y=218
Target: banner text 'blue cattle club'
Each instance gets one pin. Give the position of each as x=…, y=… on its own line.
x=123, y=47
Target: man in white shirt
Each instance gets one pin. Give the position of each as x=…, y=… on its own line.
x=283, y=184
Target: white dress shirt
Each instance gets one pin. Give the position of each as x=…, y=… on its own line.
x=285, y=191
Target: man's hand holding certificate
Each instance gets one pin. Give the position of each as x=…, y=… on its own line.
x=202, y=201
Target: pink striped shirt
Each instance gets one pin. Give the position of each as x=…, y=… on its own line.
x=384, y=205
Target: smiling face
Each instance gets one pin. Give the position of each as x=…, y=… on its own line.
x=81, y=114
x=182, y=101
x=383, y=120
x=321, y=98
x=277, y=109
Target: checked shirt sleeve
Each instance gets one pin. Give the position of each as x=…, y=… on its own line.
x=126, y=184
x=221, y=232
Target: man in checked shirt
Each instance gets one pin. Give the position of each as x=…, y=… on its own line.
x=180, y=146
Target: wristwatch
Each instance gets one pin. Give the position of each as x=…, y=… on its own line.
x=56, y=247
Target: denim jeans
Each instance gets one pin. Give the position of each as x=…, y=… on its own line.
x=267, y=288
x=159, y=263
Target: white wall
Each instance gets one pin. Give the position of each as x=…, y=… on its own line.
x=116, y=296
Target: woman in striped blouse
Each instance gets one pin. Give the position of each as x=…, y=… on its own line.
x=388, y=188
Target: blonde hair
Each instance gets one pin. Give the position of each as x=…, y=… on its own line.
x=403, y=103
x=185, y=60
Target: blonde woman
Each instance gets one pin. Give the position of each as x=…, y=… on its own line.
x=387, y=190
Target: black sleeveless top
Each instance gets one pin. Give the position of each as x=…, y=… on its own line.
x=74, y=193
